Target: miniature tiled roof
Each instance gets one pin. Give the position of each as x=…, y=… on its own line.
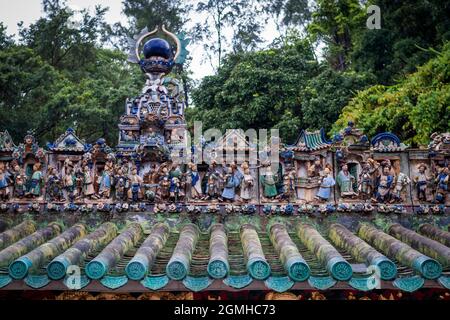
x=68, y=142
x=6, y=142
x=215, y=264
x=311, y=141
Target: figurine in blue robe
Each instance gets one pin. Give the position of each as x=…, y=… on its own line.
x=442, y=185
x=106, y=180
x=232, y=181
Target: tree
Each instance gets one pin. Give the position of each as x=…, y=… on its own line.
x=239, y=15
x=155, y=13
x=64, y=43
x=36, y=96
x=412, y=109
x=325, y=95
x=5, y=40
x=406, y=29
x=258, y=90
x=335, y=23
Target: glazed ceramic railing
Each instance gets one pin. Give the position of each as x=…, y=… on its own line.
x=293, y=262
x=108, y=258
x=218, y=266
x=144, y=258
x=361, y=251
x=428, y=267
x=76, y=254
x=180, y=262
x=256, y=262
x=34, y=259
x=335, y=264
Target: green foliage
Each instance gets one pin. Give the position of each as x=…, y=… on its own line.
x=395, y=50
x=35, y=95
x=324, y=96
x=155, y=13
x=242, y=16
x=413, y=109
x=335, y=23
x=65, y=43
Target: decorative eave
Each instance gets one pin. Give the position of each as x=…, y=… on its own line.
x=387, y=142
x=69, y=142
x=310, y=141
x=352, y=138
x=6, y=142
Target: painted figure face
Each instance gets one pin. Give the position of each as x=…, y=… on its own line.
x=345, y=168
x=386, y=170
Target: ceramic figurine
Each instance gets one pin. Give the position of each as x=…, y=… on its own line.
x=20, y=182
x=120, y=184
x=247, y=183
x=232, y=180
x=88, y=184
x=442, y=185
x=4, y=185
x=326, y=186
x=36, y=181
x=195, y=182
x=164, y=188
x=54, y=185
x=135, y=191
x=213, y=181
x=385, y=183
x=106, y=180
x=401, y=181
x=365, y=186
x=268, y=181
x=421, y=182
x=78, y=172
x=316, y=168
x=175, y=189
x=345, y=182
x=69, y=183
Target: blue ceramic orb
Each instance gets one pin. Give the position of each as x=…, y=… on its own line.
x=157, y=47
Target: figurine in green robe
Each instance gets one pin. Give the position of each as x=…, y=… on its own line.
x=36, y=181
x=268, y=181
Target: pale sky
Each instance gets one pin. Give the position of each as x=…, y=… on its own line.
x=28, y=11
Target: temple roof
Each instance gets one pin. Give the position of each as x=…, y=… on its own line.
x=198, y=277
